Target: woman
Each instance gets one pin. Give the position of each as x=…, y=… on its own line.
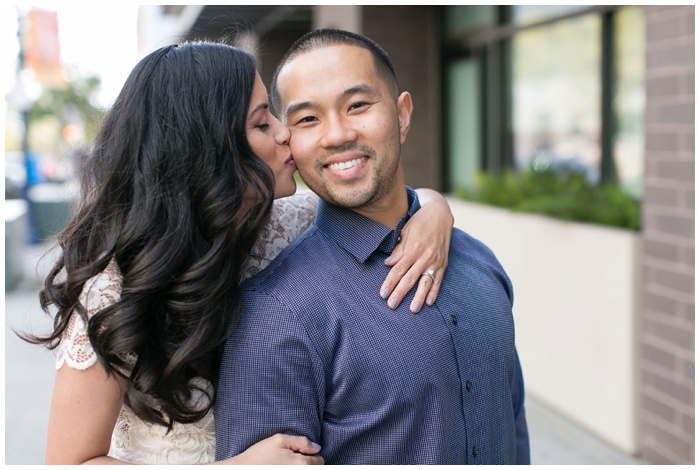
x=176, y=209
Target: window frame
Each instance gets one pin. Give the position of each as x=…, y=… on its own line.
x=491, y=48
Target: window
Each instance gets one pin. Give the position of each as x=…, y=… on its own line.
x=468, y=19
x=463, y=121
x=628, y=99
x=529, y=14
x=556, y=82
x=559, y=87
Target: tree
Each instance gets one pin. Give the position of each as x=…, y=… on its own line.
x=71, y=107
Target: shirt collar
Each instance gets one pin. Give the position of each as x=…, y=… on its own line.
x=359, y=235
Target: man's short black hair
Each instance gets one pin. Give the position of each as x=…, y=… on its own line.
x=326, y=37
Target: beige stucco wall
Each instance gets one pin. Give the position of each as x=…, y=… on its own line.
x=575, y=300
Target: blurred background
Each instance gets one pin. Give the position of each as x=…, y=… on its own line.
x=563, y=137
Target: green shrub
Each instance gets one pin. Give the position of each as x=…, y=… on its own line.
x=567, y=197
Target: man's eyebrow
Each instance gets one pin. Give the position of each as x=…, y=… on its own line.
x=258, y=108
x=361, y=88
x=293, y=108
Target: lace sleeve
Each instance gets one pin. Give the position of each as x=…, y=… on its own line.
x=99, y=292
x=289, y=218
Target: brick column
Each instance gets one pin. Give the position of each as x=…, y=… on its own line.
x=410, y=36
x=667, y=350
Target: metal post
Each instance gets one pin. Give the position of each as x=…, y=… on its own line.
x=608, y=169
x=31, y=228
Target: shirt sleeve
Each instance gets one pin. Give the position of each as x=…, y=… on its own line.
x=99, y=292
x=271, y=379
x=522, y=438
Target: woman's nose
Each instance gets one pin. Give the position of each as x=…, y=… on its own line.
x=282, y=135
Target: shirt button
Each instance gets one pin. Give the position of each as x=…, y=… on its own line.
x=469, y=389
x=475, y=451
x=454, y=319
x=398, y=239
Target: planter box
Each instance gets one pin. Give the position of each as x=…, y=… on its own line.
x=575, y=298
x=52, y=206
x=15, y=241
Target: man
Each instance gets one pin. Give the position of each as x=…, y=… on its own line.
x=317, y=352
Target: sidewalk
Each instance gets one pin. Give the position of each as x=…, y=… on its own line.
x=29, y=373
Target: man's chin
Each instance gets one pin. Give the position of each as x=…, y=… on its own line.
x=352, y=194
x=352, y=200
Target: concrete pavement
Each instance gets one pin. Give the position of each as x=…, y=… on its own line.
x=29, y=373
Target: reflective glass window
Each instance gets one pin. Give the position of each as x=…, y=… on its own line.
x=463, y=123
x=528, y=14
x=629, y=99
x=459, y=19
x=556, y=97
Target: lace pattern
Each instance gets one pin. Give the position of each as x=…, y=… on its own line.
x=99, y=292
x=289, y=217
x=134, y=440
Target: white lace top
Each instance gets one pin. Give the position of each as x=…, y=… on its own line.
x=134, y=440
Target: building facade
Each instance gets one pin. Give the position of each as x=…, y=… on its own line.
x=604, y=90
x=667, y=304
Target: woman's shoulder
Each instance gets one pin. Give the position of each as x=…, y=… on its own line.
x=99, y=292
x=289, y=218
x=292, y=215
x=303, y=201
x=102, y=290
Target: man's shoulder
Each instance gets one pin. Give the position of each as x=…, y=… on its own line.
x=467, y=252
x=466, y=245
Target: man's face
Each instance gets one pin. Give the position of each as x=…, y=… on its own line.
x=347, y=126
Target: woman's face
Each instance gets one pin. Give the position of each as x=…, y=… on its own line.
x=269, y=139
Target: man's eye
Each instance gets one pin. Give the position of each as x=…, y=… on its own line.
x=306, y=119
x=358, y=105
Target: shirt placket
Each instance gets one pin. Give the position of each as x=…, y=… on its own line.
x=467, y=385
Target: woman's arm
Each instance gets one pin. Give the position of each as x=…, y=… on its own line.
x=86, y=400
x=425, y=243
x=84, y=409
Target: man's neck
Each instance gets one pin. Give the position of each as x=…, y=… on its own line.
x=389, y=210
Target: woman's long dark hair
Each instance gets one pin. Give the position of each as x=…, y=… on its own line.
x=174, y=194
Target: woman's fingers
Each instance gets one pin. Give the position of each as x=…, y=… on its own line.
x=425, y=283
x=407, y=272
x=397, y=271
x=298, y=444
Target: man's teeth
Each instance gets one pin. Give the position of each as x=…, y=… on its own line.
x=345, y=165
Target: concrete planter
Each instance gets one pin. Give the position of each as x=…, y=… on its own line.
x=576, y=289
x=15, y=240
x=52, y=206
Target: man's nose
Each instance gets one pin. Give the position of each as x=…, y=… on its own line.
x=337, y=132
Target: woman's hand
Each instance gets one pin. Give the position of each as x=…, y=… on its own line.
x=424, y=245
x=280, y=449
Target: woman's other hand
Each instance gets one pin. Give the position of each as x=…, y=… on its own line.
x=280, y=449
x=424, y=248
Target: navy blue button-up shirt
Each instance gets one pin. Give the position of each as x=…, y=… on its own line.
x=318, y=353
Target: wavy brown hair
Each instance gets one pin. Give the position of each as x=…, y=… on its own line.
x=174, y=194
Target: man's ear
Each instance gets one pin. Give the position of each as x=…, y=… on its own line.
x=405, y=108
